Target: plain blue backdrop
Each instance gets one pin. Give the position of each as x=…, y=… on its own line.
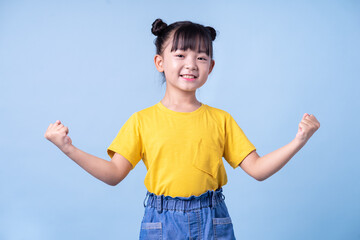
x=90, y=65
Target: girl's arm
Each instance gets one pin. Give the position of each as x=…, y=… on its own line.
x=263, y=167
x=111, y=172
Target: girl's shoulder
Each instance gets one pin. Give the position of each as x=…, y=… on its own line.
x=218, y=111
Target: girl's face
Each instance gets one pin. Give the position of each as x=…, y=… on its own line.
x=185, y=70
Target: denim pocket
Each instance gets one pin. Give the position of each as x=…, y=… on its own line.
x=223, y=228
x=151, y=231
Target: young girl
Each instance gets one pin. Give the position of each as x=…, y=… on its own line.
x=181, y=142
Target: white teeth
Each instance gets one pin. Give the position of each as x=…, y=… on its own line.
x=188, y=76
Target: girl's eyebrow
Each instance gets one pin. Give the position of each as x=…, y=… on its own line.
x=177, y=51
x=203, y=51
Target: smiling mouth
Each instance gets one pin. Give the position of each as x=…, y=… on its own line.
x=188, y=77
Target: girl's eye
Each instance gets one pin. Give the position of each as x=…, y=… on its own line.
x=201, y=58
x=179, y=55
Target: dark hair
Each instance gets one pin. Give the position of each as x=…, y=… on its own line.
x=187, y=35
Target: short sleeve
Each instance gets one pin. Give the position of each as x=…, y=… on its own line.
x=237, y=146
x=128, y=141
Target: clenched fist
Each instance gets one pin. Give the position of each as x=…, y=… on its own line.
x=307, y=127
x=57, y=134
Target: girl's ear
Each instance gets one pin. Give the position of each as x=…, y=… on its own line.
x=212, y=64
x=159, y=62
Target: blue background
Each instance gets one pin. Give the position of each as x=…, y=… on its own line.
x=90, y=65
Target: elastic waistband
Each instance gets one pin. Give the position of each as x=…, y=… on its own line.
x=208, y=199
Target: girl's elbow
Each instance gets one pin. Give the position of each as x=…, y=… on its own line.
x=259, y=178
x=113, y=182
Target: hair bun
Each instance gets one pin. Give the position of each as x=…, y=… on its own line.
x=158, y=27
x=212, y=32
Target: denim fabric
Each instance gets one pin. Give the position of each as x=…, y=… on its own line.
x=197, y=217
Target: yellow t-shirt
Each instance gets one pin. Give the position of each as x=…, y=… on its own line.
x=182, y=151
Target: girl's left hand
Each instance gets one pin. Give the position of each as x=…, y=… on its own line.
x=307, y=127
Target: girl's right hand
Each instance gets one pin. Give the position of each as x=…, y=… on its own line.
x=57, y=134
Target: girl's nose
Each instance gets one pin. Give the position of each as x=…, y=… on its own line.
x=191, y=64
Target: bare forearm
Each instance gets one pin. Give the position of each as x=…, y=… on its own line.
x=98, y=167
x=272, y=162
